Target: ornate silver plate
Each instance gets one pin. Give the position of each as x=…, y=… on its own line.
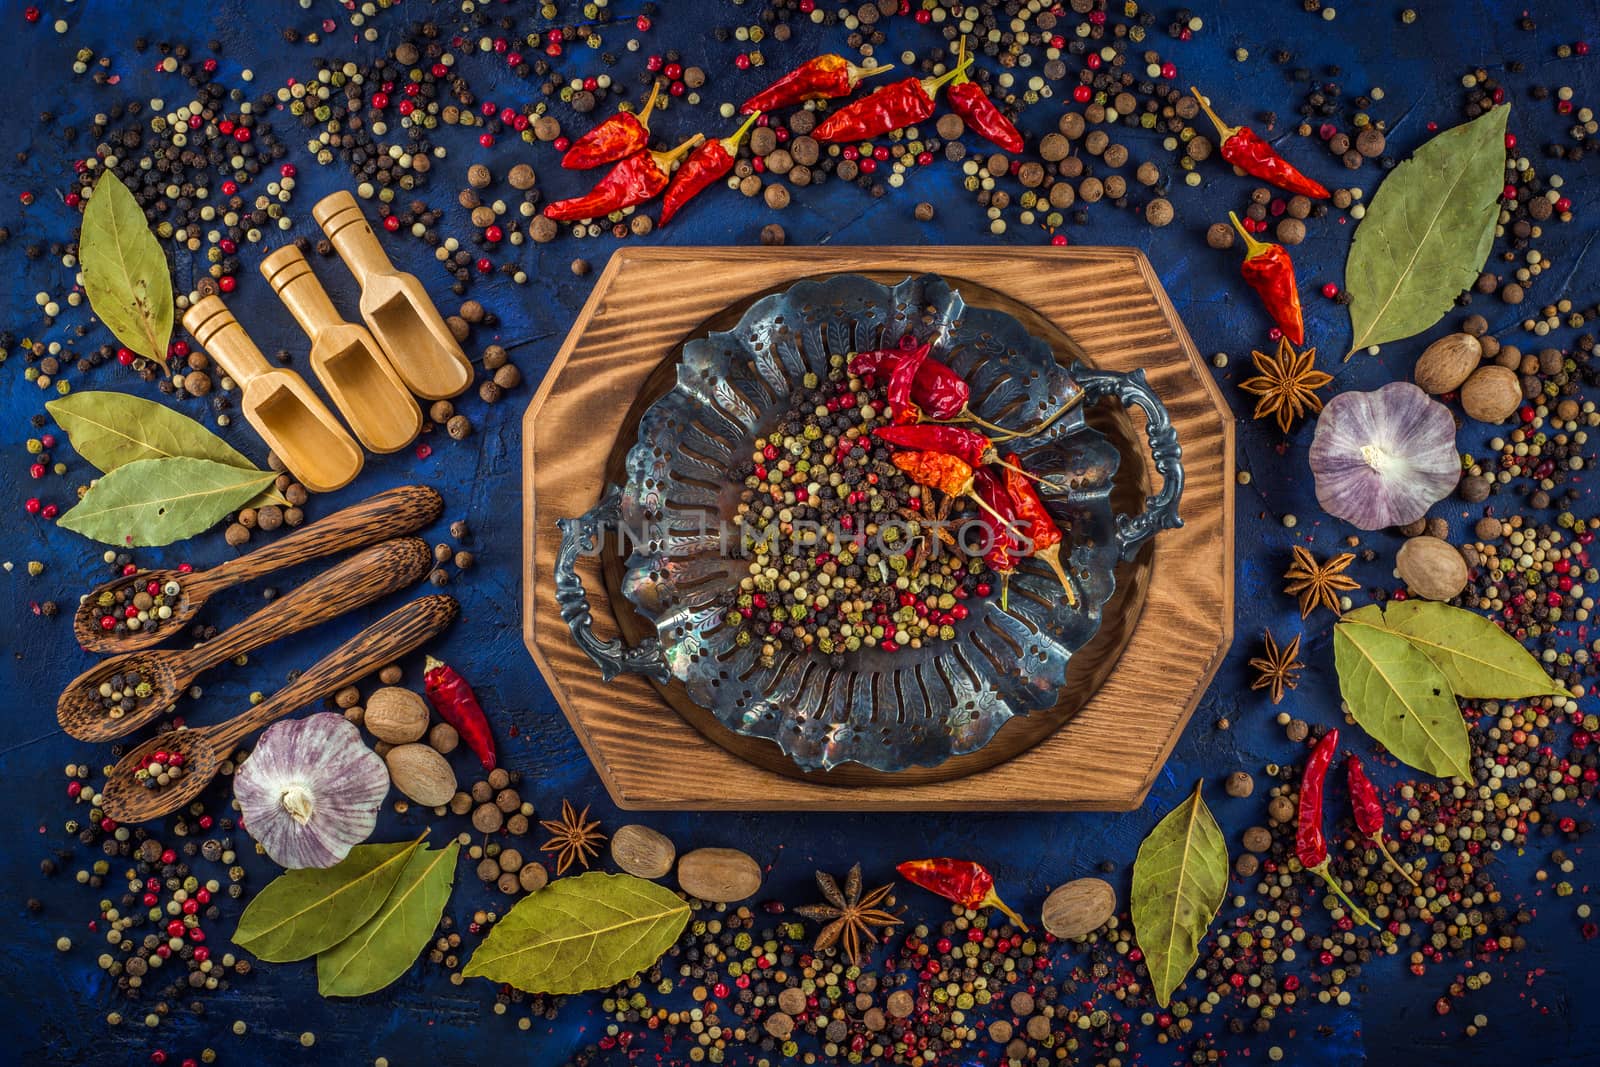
x=884, y=710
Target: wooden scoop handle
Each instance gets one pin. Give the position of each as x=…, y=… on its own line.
x=341, y=218
x=290, y=276
x=403, y=630
x=359, y=580
x=389, y=514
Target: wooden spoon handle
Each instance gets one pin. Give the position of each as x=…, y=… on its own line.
x=389, y=514
x=359, y=580
x=402, y=630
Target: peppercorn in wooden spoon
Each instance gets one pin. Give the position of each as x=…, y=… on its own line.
x=121, y=694
x=102, y=622
x=179, y=764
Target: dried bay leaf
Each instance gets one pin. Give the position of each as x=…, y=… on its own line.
x=153, y=502
x=387, y=944
x=1427, y=232
x=1399, y=696
x=581, y=933
x=1179, y=877
x=109, y=429
x=300, y=913
x=125, y=271
x=1478, y=659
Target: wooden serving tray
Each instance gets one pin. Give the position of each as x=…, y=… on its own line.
x=1170, y=621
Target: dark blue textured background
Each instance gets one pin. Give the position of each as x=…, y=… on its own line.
x=55, y=1004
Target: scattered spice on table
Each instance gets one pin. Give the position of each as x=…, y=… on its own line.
x=968, y=100
x=703, y=168
x=1366, y=807
x=1277, y=669
x=1311, y=843
x=850, y=919
x=1286, y=383
x=892, y=107
x=574, y=837
x=1268, y=270
x=458, y=705
x=1245, y=149
x=967, y=883
x=1319, y=584
x=618, y=137
x=820, y=78
x=640, y=177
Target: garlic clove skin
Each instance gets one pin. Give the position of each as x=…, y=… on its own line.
x=311, y=790
x=1384, y=458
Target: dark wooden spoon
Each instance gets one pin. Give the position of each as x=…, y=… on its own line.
x=389, y=514
x=204, y=749
x=358, y=580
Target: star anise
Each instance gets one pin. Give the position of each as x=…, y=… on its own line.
x=849, y=916
x=1286, y=383
x=572, y=837
x=1278, y=669
x=1318, y=584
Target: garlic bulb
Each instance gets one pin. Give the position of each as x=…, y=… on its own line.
x=1384, y=458
x=311, y=790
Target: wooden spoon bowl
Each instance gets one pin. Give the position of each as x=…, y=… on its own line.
x=388, y=514
x=86, y=621
x=126, y=799
x=403, y=630
x=359, y=580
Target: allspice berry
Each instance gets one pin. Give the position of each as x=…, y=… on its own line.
x=772, y=234
x=1220, y=236
x=1158, y=212
x=459, y=427
x=1291, y=231
x=1239, y=784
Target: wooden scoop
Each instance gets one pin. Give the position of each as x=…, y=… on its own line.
x=279, y=404
x=395, y=305
x=348, y=361
x=204, y=749
x=359, y=580
x=389, y=514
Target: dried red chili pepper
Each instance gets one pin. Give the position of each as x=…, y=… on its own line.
x=1041, y=528
x=704, y=166
x=963, y=881
x=457, y=705
x=968, y=100
x=1310, y=846
x=973, y=447
x=901, y=104
x=1367, y=808
x=1006, y=536
x=1245, y=149
x=821, y=78
x=902, y=378
x=616, y=138
x=1270, y=272
x=633, y=181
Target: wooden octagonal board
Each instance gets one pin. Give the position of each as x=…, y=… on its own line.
x=1171, y=621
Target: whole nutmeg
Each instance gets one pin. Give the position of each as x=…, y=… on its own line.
x=643, y=852
x=1079, y=907
x=396, y=715
x=1431, y=568
x=1446, y=363
x=1491, y=394
x=420, y=773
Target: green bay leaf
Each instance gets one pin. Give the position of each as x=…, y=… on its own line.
x=109, y=429
x=581, y=933
x=125, y=271
x=386, y=945
x=1179, y=877
x=1400, y=698
x=153, y=502
x=1426, y=232
x=1478, y=659
x=300, y=913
